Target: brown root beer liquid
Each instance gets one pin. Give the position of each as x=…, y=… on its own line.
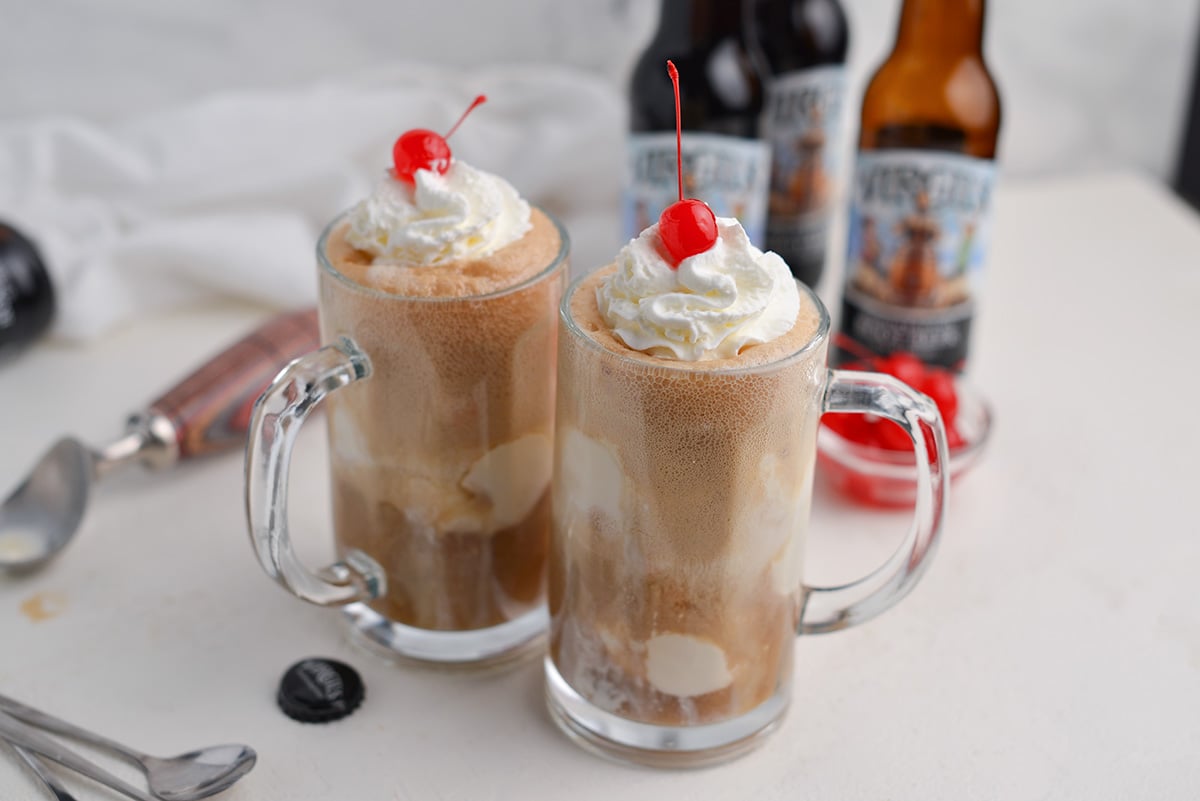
x=681, y=510
x=462, y=387
x=921, y=196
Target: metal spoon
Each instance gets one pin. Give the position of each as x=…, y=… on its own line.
x=187, y=777
x=207, y=412
x=18, y=734
x=42, y=772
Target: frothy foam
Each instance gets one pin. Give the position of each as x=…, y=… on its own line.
x=507, y=267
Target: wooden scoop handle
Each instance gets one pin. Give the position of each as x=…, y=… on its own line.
x=210, y=409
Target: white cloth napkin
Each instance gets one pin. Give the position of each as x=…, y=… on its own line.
x=226, y=196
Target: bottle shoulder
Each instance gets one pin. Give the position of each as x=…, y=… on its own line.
x=719, y=90
x=795, y=35
x=958, y=94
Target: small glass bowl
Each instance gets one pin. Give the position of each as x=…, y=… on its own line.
x=876, y=476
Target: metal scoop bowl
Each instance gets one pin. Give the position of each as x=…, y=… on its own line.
x=43, y=513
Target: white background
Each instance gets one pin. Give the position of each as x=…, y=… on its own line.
x=1052, y=652
x=1086, y=84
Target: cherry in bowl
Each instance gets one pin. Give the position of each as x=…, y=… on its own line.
x=870, y=460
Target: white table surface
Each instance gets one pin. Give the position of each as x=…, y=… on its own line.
x=1051, y=652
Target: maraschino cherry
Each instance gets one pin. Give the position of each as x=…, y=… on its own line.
x=421, y=149
x=686, y=227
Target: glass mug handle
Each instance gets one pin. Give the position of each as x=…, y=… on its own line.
x=278, y=415
x=828, y=609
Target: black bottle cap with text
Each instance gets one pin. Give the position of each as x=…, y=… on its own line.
x=319, y=690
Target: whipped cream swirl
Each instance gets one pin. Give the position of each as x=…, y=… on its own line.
x=464, y=214
x=711, y=307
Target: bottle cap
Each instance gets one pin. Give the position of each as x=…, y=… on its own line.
x=316, y=690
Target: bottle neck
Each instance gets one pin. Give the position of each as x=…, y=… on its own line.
x=945, y=28
x=683, y=23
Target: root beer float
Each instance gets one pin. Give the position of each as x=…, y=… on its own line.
x=692, y=377
x=441, y=462
x=681, y=497
x=437, y=304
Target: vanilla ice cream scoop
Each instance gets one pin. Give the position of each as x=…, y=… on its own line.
x=512, y=476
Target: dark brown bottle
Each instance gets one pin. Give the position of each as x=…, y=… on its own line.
x=720, y=97
x=921, y=196
x=801, y=48
x=26, y=295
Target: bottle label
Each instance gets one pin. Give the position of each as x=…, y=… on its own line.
x=801, y=122
x=918, y=230
x=8, y=298
x=728, y=173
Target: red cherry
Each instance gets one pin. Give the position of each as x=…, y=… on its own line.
x=420, y=149
x=863, y=430
x=939, y=385
x=687, y=227
x=892, y=437
x=853, y=427
x=905, y=366
x=839, y=423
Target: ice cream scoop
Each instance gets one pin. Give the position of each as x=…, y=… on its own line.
x=206, y=412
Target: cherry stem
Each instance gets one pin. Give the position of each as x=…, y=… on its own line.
x=674, y=73
x=478, y=101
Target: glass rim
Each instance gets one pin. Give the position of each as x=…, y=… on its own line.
x=560, y=259
x=681, y=366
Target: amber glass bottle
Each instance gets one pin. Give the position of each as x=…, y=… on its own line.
x=921, y=195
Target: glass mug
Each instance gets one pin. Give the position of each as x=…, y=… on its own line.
x=681, y=498
x=440, y=418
